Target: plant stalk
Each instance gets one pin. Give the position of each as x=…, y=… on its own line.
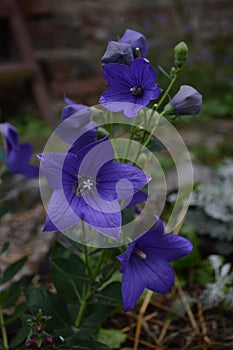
x=3, y=330
x=172, y=82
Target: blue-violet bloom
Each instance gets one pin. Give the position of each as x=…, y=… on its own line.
x=72, y=108
x=136, y=40
x=118, y=52
x=146, y=263
x=76, y=128
x=187, y=101
x=130, y=87
x=18, y=155
x=88, y=186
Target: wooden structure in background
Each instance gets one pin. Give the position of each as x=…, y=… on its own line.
x=26, y=67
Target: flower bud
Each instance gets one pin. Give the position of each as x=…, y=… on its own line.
x=117, y=52
x=180, y=54
x=39, y=329
x=48, y=341
x=33, y=338
x=187, y=101
x=30, y=345
x=136, y=40
x=72, y=108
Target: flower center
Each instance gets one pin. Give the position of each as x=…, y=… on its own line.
x=87, y=184
x=137, y=91
x=141, y=254
x=83, y=185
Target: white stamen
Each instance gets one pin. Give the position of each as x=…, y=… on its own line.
x=141, y=254
x=87, y=184
x=84, y=185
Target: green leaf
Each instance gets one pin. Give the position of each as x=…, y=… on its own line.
x=116, y=277
x=72, y=334
x=113, y=338
x=162, y=70
x=103, y=303
x=110, y=295
x=72, y=267
x=12, y=270
x=155, y=145
x=9, y=296
x=128, y=214
x=51, y=305
x=69, y=278
x=19, y=338
x=59, y=251
x=19, y=310
x=4, y=247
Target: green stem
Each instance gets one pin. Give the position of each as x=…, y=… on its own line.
x=133, y=130
x=110, y=124
x=109, y=119
x=143, y=138
x=153, y=130
x=166, y=92
x=82, y=308
x=113, y=269
x=99, y=264
x=3, y=330
x=145, y=142
x=86, y=255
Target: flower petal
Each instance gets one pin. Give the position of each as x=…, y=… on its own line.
x=137, y=198
x=171, y=247
x=118, y=52
x=117, y=75
x=131, y=109
x=51, y=165
x=138, y=273
x=125, y=257
x=74, y=126
x=144, y=74
x=122, y=180
x=73, y=108
x=136, y=39
x=10, y=134
x=150, y=237
x=17, y=160
x=158, y=274
x=187, y=101
x=59, y=214
x=30, y=171
x=84, y=140
x=167, y=247
x=131, y=288
x=94, y=156
x=104, y=218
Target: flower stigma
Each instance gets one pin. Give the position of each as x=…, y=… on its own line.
x=83, y=185
x=141, y=254
x=136, y=91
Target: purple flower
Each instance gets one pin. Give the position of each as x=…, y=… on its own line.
x=117, y=52
x=187, y=101
x=130, y=87
x=146, y=263
x=72, y=108
x=76, y=127
x=136, y=40
x=88, y=185
x=18, y=155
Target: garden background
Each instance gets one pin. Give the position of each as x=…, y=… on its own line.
x=68, y=39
